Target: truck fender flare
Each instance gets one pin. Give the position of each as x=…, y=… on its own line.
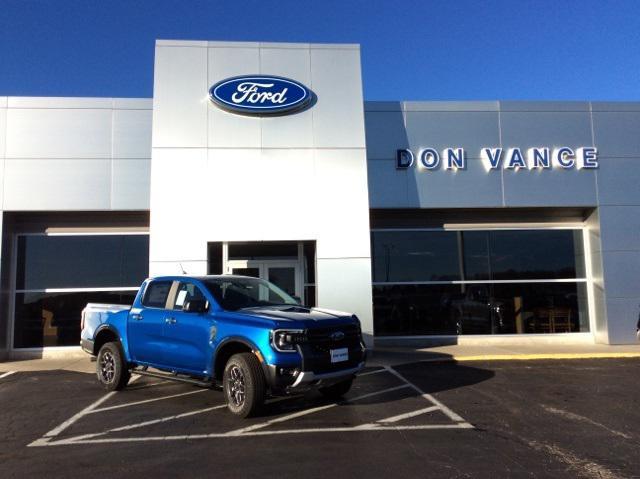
x=248, y=343
x=100, y=329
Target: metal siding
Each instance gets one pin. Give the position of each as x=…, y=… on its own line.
x=180, y=99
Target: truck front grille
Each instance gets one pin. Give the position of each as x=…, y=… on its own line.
x=319, y=342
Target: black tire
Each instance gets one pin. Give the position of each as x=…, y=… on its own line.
x=336, y=391
x=243, y=384
x=111, y=368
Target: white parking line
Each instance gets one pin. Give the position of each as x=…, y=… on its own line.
x=57, y=430
x=72, y=441
x=387, y=424
x=135, y=403
x=452, y=415
x=381, y=370
x=147, y=423
x=4, y=375
x=401, y=417
x=244, y=430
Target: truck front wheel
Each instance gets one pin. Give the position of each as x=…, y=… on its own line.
x=244, y=385
x=111, y=367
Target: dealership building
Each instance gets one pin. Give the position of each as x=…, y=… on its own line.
x=474, y=221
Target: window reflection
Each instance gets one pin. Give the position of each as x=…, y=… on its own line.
x=406, y=256
x=415, y=256
x=81, y=261
x=68, y=263
x=515, y=308
x=53, y=319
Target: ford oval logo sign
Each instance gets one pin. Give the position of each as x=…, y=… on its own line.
x=337, y=336
x=260, y=95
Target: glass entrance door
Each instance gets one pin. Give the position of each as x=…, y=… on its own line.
x=285, y=274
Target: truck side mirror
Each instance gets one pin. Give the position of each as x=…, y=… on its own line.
x=195, y=306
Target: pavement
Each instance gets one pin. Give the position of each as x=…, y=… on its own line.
x=76, y=359
x=416, y=418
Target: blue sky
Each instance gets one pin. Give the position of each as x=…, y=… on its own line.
x=411, y=50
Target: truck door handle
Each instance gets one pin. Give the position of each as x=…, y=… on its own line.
x=136, y=317
x=170, y=320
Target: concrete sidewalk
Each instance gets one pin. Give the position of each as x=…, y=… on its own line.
x=394, y=355
x=460, y=352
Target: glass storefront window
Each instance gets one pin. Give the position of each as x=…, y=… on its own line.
x=401, y=256
x=81, y=261
x=53, y=319
x=479, y=282
x=57, y=275
x=517, y=308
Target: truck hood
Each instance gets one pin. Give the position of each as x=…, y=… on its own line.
x=294, y=313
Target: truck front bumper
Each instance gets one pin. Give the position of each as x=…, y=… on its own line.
x=309, y=378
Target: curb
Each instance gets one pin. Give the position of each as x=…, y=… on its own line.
x=532, y=357
x=508, y=357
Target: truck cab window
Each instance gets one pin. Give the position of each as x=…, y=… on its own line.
x=156, y=294
x=187, y=292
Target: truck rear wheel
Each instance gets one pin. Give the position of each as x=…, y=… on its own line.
x=111, y=367
x=336, y=391
x=244, y=385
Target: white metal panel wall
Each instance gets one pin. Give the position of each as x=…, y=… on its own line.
x=67, y=154
x=217, y=176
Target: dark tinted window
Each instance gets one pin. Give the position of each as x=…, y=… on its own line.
x=475, y=247
x=263, y=249
x=513, y=308
x=541, y=254
x=214, y=256
x=81, y=261
x=309, y=253
x=156, y=294
x=406, y=256
x=53, y=319
x=415, y=256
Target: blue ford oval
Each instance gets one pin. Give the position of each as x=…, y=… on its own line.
x=260, y=95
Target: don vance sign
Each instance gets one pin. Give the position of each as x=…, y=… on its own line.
x=562, y=157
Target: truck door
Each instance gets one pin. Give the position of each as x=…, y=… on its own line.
x=146, y=324
x=187, y=334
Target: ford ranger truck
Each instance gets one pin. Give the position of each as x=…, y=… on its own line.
x=243, y=334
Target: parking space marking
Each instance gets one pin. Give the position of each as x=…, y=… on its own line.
x=408, y=415
x=4, y=375
x=387, y=424
x=223, y=435
x=148, y=423
x=381, y=370
x=135, y=403
x=150, y=385
x=294, y=415
x=452, y=415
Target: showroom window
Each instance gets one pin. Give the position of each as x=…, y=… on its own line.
x=437, y=282
x=57, y=275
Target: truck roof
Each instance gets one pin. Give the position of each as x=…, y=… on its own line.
x=198, y=277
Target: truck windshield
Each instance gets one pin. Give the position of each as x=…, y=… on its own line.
x=234, y=293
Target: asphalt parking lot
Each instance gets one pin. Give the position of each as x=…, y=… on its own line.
x=561, y=418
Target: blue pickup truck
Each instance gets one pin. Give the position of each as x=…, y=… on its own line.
x=243, y=334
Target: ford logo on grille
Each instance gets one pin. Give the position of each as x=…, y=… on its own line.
x=260, y=95
x=337, y=336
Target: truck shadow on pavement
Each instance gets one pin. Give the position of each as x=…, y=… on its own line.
x=390, y=384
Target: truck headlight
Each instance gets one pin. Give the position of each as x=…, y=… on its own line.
x=285, y=340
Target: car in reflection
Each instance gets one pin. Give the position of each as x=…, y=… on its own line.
x=476, y=312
